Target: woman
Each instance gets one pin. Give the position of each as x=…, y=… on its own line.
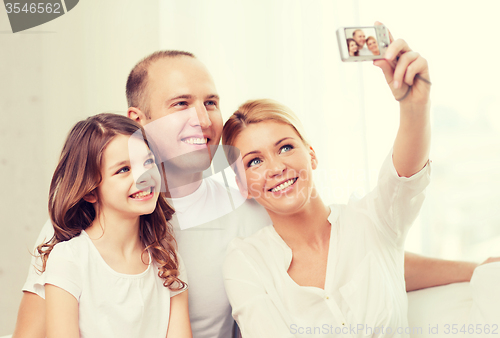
x=353, y=47
x=372, y=45
x=327, y=270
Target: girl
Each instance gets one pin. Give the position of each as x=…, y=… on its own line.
x=111, y=269
x=326, y=271
x=352, y=47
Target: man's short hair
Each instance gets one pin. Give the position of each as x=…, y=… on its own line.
x=357, y=30
x=137, y=80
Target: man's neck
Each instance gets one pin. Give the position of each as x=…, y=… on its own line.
x=179, y=184
x=184, y=190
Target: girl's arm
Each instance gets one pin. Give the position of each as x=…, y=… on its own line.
x=407, y=74
x=62, y=313
x=178, y=322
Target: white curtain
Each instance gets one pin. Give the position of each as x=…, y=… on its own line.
x=287, y=50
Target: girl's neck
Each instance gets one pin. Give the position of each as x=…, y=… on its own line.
x=115, y=233
x=308, y=226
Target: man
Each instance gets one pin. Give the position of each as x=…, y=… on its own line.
x=174, y=90
x=359, y=36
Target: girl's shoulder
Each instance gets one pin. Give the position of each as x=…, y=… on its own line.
x=73, y=248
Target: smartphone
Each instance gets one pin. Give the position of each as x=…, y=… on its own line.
x=362, y=43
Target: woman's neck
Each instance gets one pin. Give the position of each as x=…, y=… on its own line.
x=308, y=226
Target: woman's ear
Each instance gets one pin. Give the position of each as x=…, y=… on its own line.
x=314, y=159
x=91, y=197
x=137, y=115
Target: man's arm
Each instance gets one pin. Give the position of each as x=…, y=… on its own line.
x=425, y=272
x=31, y=317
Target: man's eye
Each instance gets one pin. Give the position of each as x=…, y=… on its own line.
x=254, y=162
x=211, y=103
x=181, y=103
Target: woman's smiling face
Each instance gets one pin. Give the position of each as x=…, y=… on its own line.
x=278, y=166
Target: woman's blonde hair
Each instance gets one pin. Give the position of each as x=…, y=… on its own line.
x=255, y=111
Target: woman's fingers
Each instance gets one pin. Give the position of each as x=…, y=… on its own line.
x=401, y=69
x=401, y=66
x=419, y=66
x=395, y=49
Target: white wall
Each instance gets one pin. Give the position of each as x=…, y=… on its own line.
x=50, y=77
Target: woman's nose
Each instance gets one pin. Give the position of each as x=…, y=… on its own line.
x=275, y=167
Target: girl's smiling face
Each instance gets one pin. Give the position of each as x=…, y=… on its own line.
x=130, y=183
x=277, y=165
x=353, y=47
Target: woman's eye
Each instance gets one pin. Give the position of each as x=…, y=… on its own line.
x=286, y=148
x=254, y=162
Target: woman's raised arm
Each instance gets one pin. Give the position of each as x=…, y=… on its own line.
x=407, y=74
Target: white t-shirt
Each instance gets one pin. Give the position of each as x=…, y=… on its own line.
x=110, y=304
x=203, y=248
x=364, y=51
x=364, y=278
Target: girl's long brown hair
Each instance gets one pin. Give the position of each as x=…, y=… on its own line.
x=79, y=173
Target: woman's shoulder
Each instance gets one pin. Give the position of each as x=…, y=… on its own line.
x=263, y=251
x=261, y=239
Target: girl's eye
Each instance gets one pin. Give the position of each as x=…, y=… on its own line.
x=149, y=161
x=286, y=148
x=123, y=170
x=254, y=162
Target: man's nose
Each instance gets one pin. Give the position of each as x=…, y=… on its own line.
x=202, y=118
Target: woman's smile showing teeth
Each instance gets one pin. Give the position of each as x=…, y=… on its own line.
x=143, y=195
x=282, y=186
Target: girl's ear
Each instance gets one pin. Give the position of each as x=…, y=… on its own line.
x=91, y=197
x=314, y=159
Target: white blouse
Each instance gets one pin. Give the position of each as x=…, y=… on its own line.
x=364, y=293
